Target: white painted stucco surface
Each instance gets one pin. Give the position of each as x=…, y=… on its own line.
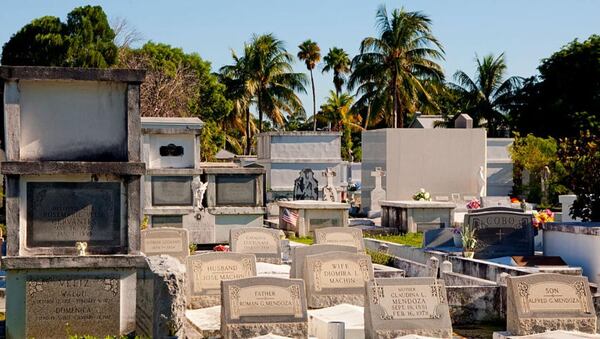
x=156, y=141
x=499, y=167
x=64, y=120
x=576, y=250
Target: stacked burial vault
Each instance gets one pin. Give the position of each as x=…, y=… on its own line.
x=73, y=168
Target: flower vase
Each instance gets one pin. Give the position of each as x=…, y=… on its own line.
x=458, y=240
x=468, y=254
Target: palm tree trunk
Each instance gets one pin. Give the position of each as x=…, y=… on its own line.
x=247, y=131
x=312, y=81
x=395, y=99
x=260, y=112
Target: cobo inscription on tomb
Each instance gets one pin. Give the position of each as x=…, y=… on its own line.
x=502, y=233
x=62, y=213
x=53, y=301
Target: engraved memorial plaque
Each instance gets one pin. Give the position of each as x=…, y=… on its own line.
x=172, y=191
x=52, y=302
x=262, y=242
x=166, y=240
x=167, y=221
x=62, y=213
x=346, y=236
x=236, y=190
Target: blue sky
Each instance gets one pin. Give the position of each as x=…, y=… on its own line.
x=526, y=31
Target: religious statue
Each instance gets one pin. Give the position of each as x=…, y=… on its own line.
x=306, y=187
x=329, y=191
x=199, y=188
x=81, y=247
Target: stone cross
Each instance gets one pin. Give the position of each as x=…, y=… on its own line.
x=329, y=191
x=377, y=194
x=378, y=173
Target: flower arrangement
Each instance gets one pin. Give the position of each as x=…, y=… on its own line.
x=456, y=230
x=221, y=248
x=515, y=200
x=542, y=217
x=469, y=241
x=474, y=204
x=422, y=195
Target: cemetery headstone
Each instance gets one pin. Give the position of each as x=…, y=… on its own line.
x=299, y=253
x=502, y=233
x=336, y=277
x=306, y=187
x=166, y=240
x=347, y=236
x=261, y=305
x=378, y=193
x=545, y=302
x=206, y=271
x=264, y=243
x=405, y=306
x=329, y=191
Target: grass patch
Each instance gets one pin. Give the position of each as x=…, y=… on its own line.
x=380, y=258
x=410, y=239
x=302, y=240
x=478, y=331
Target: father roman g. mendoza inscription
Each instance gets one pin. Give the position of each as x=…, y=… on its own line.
x=336, y=277
x=51, y=302
x=62, y=213
x=399, y=307
x=546, y=302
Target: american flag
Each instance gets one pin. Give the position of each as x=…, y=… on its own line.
x=290, y=216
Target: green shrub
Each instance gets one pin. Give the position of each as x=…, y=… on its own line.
x=380, y=258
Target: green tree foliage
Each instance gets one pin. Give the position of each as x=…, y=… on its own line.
x=564, y=99
x=310, y=53
x=393, y=70
x=85, y=40
x=488, y=93
x=338, y=61
x=338, y=112
x=581, y=159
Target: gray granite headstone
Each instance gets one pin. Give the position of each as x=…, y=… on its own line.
x=336, y=278
x=502, y=233
x=398, y=307
x=53, y=301
x=347, y=236
x=236, y=190
x=206, y=271
x=306, y=187
x=166, y=240
x=258, y=306
x=299, y=253
x=441, y=237
x=264, y=243
x=546, y=302
x=62, y=213
x=172, y=191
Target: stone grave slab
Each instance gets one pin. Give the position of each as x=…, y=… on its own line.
x=336, y=277
x=407, y=306
x=165, y=240
x=59, y=214
x=502, y=233
x=206, y=271
x=351, y=315
x=52, y=301
x=203, y=322
x=299, y=254
x=172, y=191
x=264, y=269
x=346, y=236
x=545, y=302
x=262, y=305
x=264, y=243
x=441, y=237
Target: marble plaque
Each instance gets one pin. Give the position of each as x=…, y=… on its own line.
x=262, y=242
x=336, y=277
x=547, y=302
x=402, y=306
x=261, y=305
x=206, y=271
x=62, y=213
x=165, y=240
x=167, y=221
x=346, y=236
x=236, y=190
x=299, y=253
x=90, y=304
x=172, y=191
x=502, y=233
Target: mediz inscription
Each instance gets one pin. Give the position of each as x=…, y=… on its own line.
x=53, y=302
x=63, y=213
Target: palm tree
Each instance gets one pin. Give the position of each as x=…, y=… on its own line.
x=337, y=60
x=310, y=53
x=392, y=70
x=271, y=80
x=337, y=111
x=486, y=94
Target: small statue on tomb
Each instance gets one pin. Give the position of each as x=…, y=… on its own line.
x=81, y=247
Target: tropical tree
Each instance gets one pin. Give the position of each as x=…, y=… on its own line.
x=337, y=111
x=310, y=53
x=337, y=60
x=393, y=70
x=488, y=93
x=272, y=80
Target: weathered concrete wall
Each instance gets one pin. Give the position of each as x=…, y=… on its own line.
x=96, y=112
x=155, y=141
x=499, y=167
x=475, y=304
